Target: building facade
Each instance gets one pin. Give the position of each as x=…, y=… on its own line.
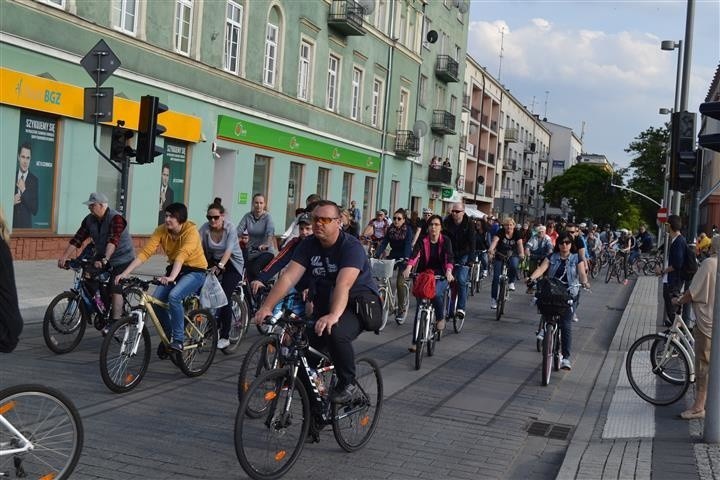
x=267, y=97
x=710, y=207
x=565, y=149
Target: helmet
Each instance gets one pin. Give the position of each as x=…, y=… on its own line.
x=304, y=218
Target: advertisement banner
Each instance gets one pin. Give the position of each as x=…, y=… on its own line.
x=172, y=176
x=35, y=172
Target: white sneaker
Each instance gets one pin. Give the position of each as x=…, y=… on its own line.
x=493, y=304
x=575, y=318
x=511, y=286
x=565, y=364
x=484, y=274
x=460, y=313
x=540, y=335
x=223, y=343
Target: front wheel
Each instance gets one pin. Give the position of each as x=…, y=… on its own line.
x=657, y=369
x=52, y=425
x=548, y=353
x=433, y=335
x=64, y=322
x=500, y=300
x=262, y=355
x=268, y=445
x=421, y=337
x=474, y=278
x=240, y=317
x=385, y=306
x=201, y=338
x=124, y=355
x=609, y=273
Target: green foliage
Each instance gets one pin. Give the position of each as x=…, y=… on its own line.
x=648, y=168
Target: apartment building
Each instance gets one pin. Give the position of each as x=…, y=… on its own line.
x=565, y=149
x=710, y=204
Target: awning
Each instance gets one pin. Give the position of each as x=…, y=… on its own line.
x=474, y=212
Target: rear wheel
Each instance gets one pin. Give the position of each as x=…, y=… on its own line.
x=64, y=322
x=201, y=338
x=547, y=353
x=609, y=273
x=433, y=335
x=121, y=368
x=239, y=323
x=385, y=306
x=658, y=375
x=354, y=423
x=474, y=278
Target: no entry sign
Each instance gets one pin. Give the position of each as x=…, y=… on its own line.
x=662, y=215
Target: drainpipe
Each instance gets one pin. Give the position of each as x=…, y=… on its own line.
x=386, y=110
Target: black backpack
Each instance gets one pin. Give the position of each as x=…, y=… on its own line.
x=690, y=264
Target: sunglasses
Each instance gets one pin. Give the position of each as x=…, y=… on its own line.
x=398, y=218
x=323, y=220
x=566, y=242
x=457, y=211
x=212, y=217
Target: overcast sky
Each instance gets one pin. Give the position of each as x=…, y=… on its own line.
x=600, y=61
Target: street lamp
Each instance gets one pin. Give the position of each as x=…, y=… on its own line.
x=665, y=111
x=670, y=45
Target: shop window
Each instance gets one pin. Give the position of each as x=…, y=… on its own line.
x=261, y=176
x=347, y=189
x=294, y=191
x=323, y=181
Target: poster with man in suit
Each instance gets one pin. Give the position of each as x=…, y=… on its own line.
x=26, y=189
x=167, y=196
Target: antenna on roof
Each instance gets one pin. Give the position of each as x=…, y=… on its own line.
x=582, y=131
x=502, y=42
x=547, y=93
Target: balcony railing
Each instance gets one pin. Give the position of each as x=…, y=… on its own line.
x=346, y=16
x=446, y=68
x=511, y=135
x=443, y=122
x=510, y=166
x=475, y=114
x=442, y=175
x=407, y=143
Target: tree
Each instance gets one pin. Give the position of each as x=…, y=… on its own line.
x=648, y=168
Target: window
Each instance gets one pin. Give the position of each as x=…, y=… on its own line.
x=376, y=103
x=401, y=21
x=412, y=31
x=271, y=38
x=323, y=181
x=356, y=106
x=124, y=15
x=332, y=83
x=233, y=37
x=425, y=29
x=347, y=189
x=305, y=71
x=403, y=109
x=368, y=196
x=261, y=176
x=453, y=104
x=294, y=191
x=55, y=3
x=394, y=194
x=183, y=25
x=381, y=15
x=458, y=53
x=439, y=97
x=423, y=89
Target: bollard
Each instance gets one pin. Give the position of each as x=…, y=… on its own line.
x=711, y=431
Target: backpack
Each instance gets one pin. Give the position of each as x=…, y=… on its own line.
x=424, y=285
x=552, y=296
x=690, y=264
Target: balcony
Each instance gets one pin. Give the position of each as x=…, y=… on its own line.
x=528, y=174
x=511, y=135
x=530, y=147
x=466, y=102
x=346, y=17
x=443, y=122
x=475, y=114
x=440, y=176
x=446, y=68
x=407, y=143
x=509, y=166
x=463, y=143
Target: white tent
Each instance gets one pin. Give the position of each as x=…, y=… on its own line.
x=474, y=212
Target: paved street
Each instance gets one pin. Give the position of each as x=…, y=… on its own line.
x=465, y=414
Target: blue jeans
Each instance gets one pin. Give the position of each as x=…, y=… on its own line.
x=440, y=286
x=565, y=325
x=483, y=256
x=172, y=318
x=513, y=264
x=461, y=273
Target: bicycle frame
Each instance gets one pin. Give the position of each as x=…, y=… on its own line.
x=27, y=444
x=425, y=306
x=683, y=339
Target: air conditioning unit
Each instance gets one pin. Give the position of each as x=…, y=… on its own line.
x=470, y=149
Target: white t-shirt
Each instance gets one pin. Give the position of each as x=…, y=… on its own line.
x=702, y=289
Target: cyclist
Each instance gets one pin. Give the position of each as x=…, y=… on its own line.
x=11, y=322
x=422, y=229
x=375, y=230
x=538, y=248
x=222, y=251
x=607, y=236
x=551, y=231
x=481, y=244
x=507, y=241
x=434, y=253
x=399, y=236
x=180, y=240
x=113, y=246
x=344, y=284
x=568, y=268
x=258, y=223
x=624, y=244
x=461, y=231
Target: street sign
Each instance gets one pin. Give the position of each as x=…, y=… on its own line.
x=662, y=215
x=98, y=103
x=446, y=192
x=100, y=62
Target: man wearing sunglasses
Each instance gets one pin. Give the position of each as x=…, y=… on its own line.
x=461, y=232
x=341, y=273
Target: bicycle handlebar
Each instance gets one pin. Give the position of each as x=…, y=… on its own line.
x=143, y=284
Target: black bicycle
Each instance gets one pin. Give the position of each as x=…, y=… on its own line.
x=286, y=406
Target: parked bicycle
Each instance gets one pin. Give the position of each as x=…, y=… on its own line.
x=383, y=270
x=661, y=366
x=286, y=406
x=41, y=433
x=125, y=351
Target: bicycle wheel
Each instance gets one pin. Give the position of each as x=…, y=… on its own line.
x=385, y=306
x=268, y=445
x=474, y=278
x=620, y=272
x=354, y=423
x=421, y=338
x=260, y=357
x=121, y=366
x=458, y=320
x=201, y=338
x=433, y=335
x=610, y=272
x=64, y=322
x=649, y=267
x=52, y=425
x=557, y=356
x=547, y=353
x=648, y=370
x=239, y=323
x=405, y=307
x=500, y=300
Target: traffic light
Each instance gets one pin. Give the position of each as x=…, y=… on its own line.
x=711, y=141
x=119, y=149
x=683, y=160
x=149, y=129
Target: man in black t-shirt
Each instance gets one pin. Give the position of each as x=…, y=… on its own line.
x=342, y=276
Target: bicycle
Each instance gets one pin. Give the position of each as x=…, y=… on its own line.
x=240, y=319
x=382, y=270
x=617, y=268
x=122, y=371
x=285, y=406
x=669, y=356
x=41, y=433
x=450, y=303
x=87, y=302
x=503, y=291
x=426, y=331
x=476, y=273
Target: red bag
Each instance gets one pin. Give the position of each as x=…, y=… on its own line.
x=424, y=285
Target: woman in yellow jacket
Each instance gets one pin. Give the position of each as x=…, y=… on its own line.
x=180, y=240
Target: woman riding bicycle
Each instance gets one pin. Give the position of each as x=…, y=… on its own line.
x=180, y=240
x=506, y=241
x=399, y=236
x=568, y=268
x=222, y=251
x=434, y=252
x=11, y=322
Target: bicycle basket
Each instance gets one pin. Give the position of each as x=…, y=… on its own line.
x=382, y=268
x=553, y=297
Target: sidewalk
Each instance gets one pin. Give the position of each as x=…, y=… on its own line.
x=622, y=436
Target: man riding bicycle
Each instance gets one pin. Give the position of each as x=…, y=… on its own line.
x=344, y=285
x=461, y=231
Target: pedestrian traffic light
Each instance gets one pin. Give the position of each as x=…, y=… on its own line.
x=683, y=158
x=149, y=129
x=119, y=149
x=711, y=141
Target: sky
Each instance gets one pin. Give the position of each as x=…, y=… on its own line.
x=600, y=62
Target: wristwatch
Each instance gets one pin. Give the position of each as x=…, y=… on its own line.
x=221, y=265
x=104, y=260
